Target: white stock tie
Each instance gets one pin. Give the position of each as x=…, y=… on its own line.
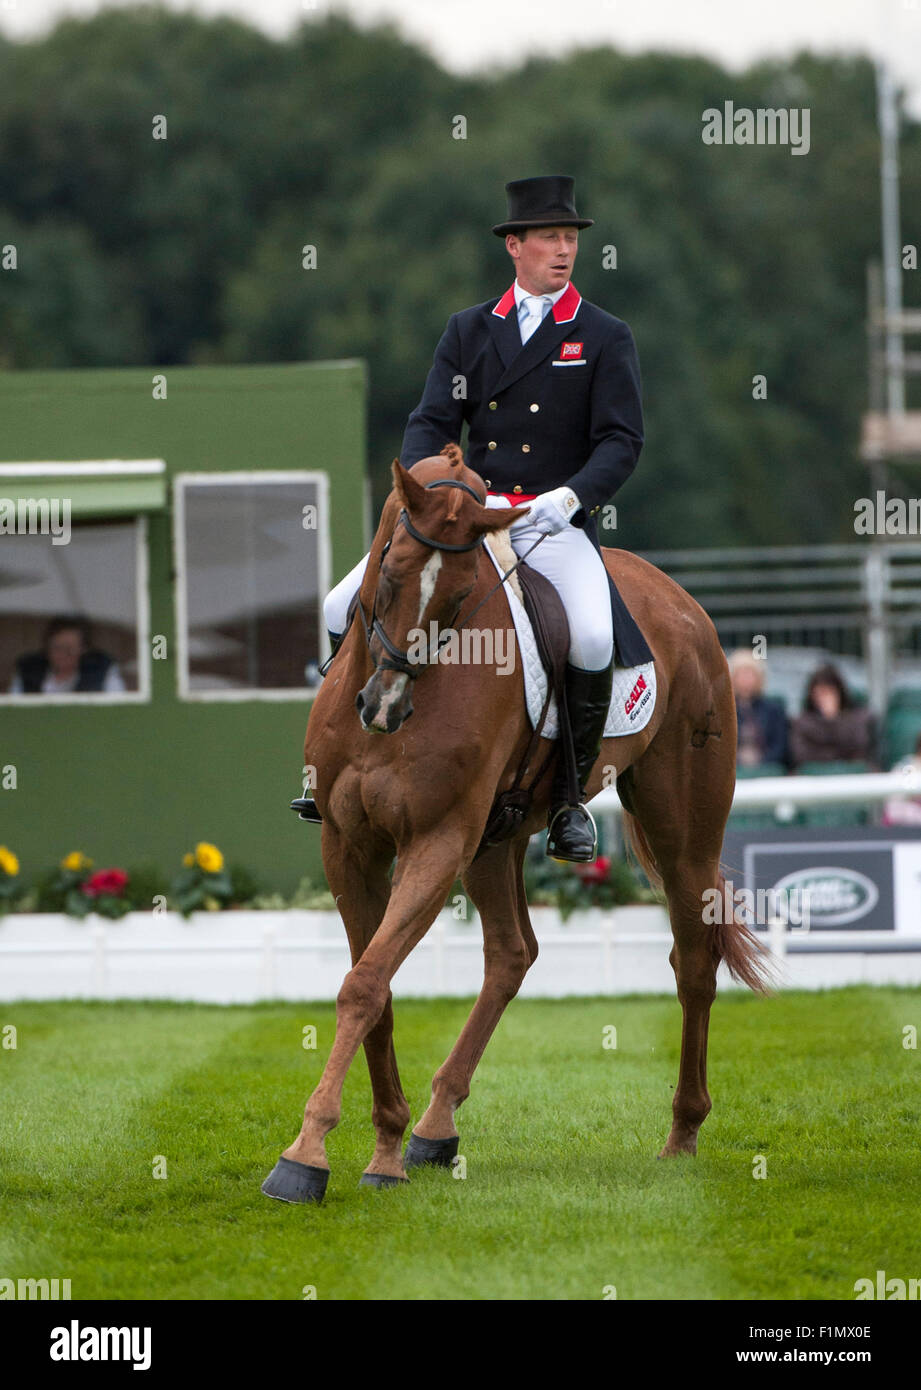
x=533, y=310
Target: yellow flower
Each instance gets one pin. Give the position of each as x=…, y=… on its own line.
x=188, y=860
x=8, y=862
x=75, y=862
x=209, y=858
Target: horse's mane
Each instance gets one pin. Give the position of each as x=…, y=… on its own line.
x=431, y=469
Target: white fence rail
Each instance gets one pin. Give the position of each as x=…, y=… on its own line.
x=241, y=957
x=760, y=793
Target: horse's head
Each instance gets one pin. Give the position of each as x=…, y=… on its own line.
x=427, y=568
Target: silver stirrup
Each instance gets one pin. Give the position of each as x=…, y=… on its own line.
x=586, y=812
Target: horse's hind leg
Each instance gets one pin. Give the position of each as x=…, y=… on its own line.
x=361, y=886
x=494, y=883
x=681, y=797
x=694, y=961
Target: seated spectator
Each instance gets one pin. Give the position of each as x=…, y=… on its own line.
x=67, y=663
x=905, y=810
x=762, y=721
x=832, y=728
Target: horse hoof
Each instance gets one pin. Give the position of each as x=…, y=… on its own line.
x=380, y=1180
x=296, y=1182
x=438, y=1152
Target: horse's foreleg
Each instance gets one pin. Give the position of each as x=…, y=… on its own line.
x=390, y=1111
x=358, y=878
x=494, y=883
x=424, y=875
x=362, y=890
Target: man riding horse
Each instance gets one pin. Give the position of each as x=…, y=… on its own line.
x=549, y=387
x=552, y=404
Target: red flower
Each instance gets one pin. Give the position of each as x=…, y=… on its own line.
x=594, y=873
x=109, y=883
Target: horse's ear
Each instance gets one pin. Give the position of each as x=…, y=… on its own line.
x=497, y=518
x=410, y=492
x=454, y=455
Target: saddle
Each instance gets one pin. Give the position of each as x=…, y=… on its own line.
x=547, y=616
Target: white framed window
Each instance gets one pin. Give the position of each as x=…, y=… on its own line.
x=252, y=568
x=75, y=617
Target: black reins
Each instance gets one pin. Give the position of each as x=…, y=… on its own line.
x=397, y=660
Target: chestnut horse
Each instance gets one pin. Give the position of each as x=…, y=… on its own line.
x=421, y=789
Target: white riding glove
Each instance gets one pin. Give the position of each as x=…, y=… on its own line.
x=551, y=511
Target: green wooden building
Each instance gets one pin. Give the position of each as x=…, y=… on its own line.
x=179, y=529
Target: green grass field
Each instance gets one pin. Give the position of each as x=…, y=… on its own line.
x=563, y=1194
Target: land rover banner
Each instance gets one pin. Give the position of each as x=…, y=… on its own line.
x=858, y=879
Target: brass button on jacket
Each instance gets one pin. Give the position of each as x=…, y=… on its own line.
x=525, y=448
x=535, y=406
x=491, y=444
x=518, y=488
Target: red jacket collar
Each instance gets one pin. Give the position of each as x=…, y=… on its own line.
x=564, y=310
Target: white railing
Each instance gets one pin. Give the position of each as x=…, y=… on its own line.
x=242, y=957
x=757, y=793
x=245, y=956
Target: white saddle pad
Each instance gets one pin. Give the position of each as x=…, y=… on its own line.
x=633, y=694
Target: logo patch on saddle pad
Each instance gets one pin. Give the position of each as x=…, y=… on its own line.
x=638, y=698
x=633, y=692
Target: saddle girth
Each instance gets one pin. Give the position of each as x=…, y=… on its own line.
x=547, y=615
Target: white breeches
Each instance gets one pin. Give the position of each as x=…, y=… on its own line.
x=336, y=603
x=572, y=565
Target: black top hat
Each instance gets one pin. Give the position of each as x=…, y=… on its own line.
x=543, y=202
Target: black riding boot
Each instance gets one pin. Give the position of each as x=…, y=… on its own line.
x=305, y=806
x=571, y=828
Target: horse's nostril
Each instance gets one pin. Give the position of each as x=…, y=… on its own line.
x=359, y=701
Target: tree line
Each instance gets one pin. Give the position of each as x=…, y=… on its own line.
x=331, y=195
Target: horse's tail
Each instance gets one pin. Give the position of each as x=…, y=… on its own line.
x=746, y=959
x=635, y=836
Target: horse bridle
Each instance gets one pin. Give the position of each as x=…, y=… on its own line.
x=397, y=660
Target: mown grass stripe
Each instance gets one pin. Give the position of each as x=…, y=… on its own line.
x=563, y=1194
